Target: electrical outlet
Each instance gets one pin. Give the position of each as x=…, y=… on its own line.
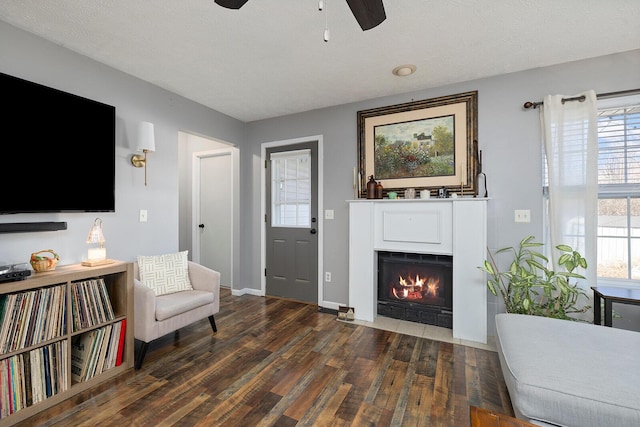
x=327, y=276
x=328, y=214
x=143, y=215
x=522, y=215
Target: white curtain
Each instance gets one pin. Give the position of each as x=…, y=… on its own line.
x=570, y=132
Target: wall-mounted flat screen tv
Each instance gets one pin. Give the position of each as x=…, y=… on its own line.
x=58, y=150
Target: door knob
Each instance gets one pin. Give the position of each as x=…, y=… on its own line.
x=313, y=231
x=201, y=225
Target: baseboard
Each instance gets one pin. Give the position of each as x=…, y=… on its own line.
x=331, y=305
x=246, y=291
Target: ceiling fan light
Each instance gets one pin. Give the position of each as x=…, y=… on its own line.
x=404, y=70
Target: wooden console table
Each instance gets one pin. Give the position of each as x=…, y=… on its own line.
x=611, y=294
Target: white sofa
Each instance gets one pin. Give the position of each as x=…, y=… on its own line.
x=565, y=373
x=156, y=316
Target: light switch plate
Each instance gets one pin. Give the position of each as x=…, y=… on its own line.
x=328, y=214
x=143, y=215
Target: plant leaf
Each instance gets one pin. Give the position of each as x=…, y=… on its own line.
x=564, y=258
x=526, y=240
x=489, y=268
x=536, y=264
x=492, y=288
x=532, y=244
x=539, y=255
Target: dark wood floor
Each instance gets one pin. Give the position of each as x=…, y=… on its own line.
x=280, y=363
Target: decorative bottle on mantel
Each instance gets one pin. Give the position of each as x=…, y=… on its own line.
x=378, y=190
x=371, y=188
x=481, y=179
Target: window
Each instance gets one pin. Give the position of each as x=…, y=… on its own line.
x=618, y=229
x=291, y=189
x=619, y=189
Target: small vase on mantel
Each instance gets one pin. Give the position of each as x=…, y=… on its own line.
x=379, y=190
x=371, y=188
x=410, y=193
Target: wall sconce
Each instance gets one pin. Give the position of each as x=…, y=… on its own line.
x=96, y=256
x=146, y=143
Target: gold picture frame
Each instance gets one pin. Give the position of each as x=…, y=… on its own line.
x=428, y=144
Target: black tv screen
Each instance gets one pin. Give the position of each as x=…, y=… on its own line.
x=58, y=150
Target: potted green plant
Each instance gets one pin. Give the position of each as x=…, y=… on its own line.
x=529, y=287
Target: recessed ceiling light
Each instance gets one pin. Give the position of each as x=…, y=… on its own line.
x=404, y=70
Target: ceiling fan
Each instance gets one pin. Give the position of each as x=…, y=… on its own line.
x=368, y=13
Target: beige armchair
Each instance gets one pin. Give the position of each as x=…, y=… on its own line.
x=156, y=316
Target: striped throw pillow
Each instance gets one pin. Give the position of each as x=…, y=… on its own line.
x=165, y=274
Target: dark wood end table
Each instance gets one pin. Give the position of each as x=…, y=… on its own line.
x=611, y=294
x=483, y=418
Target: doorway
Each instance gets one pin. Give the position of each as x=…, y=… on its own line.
x=292, y=228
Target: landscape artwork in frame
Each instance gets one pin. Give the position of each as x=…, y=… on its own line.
x=423, y=144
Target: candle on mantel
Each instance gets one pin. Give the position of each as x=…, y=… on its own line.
x=462, y=180
x=355, y=183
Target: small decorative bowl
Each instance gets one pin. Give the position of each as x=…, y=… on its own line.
x=44, y=263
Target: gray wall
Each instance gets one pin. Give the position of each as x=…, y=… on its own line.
x=32, y=58
x=508, y=136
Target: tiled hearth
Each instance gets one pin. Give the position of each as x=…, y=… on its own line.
x=455, y=227
x=423, y=331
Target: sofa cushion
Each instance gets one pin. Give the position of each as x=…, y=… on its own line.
x=180, y=302
x=569, y=373
x=165, y=274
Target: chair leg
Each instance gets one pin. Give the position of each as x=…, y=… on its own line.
x=142, y=351
x=213, y=323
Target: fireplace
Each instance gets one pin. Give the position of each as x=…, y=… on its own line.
x=420, y=226
x=416, y=287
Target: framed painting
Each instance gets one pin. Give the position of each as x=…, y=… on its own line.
x=428, y=144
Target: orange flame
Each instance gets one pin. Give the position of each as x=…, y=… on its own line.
x=419, y=287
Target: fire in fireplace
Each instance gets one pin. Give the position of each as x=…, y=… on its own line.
x=416, y=287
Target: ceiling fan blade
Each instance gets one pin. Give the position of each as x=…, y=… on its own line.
x=231, y=4
x=368, y=13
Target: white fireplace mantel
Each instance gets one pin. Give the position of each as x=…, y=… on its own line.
x=456, y=227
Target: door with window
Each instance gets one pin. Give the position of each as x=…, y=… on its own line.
x=291, y=222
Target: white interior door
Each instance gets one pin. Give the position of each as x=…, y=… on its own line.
x=213, y=211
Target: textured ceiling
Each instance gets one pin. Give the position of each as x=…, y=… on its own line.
x=269, y=59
